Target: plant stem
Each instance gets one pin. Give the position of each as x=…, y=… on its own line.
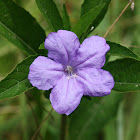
x=63, y=127
x=34, y=114
x=34, y=136
x=117, y=18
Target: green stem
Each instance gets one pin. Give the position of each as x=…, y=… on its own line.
x=63, y=127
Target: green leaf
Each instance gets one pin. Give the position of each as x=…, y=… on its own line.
x=126, y=73
x=51, y=13
x=86, y=20
x=47, y=94
x=19, y=27
x=41, y=47
x=118, y=50
x=66, y=20
x=16, y=82
x=91, y=115
x=87, y=6
x=42, y=50
x=90, y=4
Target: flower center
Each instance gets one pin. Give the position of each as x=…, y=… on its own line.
x=70, y=72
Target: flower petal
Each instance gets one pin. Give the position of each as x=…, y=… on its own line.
x=91, y=53
x=45, y=73
x=66, y=96
x=96, y=82
x=62, y=46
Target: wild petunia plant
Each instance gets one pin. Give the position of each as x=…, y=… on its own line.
x=74, y=71
x=74, y=64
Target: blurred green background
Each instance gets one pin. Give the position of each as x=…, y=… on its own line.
x=17, y=121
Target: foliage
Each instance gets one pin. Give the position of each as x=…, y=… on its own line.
x=20, y=28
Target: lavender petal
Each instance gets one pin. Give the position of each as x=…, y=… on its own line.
x=66, y=96
x=62, y=46
x=91, y=53
x=44, y=73
x=95, y=82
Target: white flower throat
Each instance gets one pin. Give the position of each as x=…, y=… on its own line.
x=70, y=72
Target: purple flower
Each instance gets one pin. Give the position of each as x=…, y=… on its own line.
x=71, y=70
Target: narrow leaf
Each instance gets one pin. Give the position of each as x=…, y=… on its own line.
x=126, y=73
x=51, y=13
x=91, y=115
x=86, y=20
x=66, y=20
x=16, y=82
x=19, y=27
x=90, y=4
x=118, y=50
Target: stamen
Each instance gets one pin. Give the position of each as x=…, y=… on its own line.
x=69, y=68
x=70, y=72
